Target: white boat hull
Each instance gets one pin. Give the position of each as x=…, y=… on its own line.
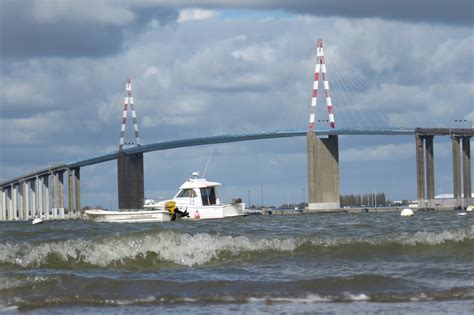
x=161, y=215
x=214, y=212
x=128, y=216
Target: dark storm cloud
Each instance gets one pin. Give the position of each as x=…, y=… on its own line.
x=446, y=11
x=22, y=35
x=99, y=29
x=453, y=11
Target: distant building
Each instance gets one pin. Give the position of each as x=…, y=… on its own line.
x=447, y=200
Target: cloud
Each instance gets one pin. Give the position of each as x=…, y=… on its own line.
x=385, y=152
x=104, y=12
x=455, y=12
x=90, y=29
x=458, y=12
x=24, y=131
x=187, y=15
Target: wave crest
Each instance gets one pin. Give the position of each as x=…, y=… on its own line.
x=182, y=249
x=189, y=250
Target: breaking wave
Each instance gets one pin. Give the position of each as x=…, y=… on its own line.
x=171, y=247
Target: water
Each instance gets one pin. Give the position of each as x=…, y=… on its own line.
x=325, y=263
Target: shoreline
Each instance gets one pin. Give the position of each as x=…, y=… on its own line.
x=348, y=210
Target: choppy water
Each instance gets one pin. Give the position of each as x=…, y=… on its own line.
x=338, y=263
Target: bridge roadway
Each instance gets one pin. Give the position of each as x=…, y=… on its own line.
x=180, y=143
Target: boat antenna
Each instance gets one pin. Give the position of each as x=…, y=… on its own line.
x=207, y=163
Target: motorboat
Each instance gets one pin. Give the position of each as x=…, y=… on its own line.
x=196, y=196
x=200, y=199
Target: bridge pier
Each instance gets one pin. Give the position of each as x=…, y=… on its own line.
x=131, y=185
x=323, y=172
x=420, y=172
x=425, y=182
x=54, y=198
x=25, y=206
x=467, y=181
x=32, y=197
x=15, y=202
x=69, y=194
x=39, y=196
x=61, y=194
x=74, y=193
x=58, y=195
x=46, y=197
x=455, y=141
x=21, y=204
x=2, y=205
x=464, y=199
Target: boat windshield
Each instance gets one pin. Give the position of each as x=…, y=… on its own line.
x=208, y=196
x=189, y=193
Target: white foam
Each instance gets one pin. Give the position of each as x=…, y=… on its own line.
x=310, y=298
x=9, y=283
x=356, y=297
x=190, y=250
x=184, y=249
x=432, y=238
x=411, y=239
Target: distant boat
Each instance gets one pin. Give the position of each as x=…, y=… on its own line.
x=197, y=196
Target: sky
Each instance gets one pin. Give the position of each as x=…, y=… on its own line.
x=203, y=68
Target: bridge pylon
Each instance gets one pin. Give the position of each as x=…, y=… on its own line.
x=130, y=173
x=322, y=153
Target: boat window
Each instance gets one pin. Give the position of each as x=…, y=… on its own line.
x=187, y=193
x=208, y=196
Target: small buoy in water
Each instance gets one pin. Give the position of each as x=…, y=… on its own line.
x=197, y=216
x=407, y=213
x=470, y=208
x=37, y=221
x=462, y=213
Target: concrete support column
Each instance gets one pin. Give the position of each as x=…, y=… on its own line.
x=40, y=196
x=34, y=207
x=323, y=172
x=77, y=184
x=70, y=191
x=15, y=202
x=466, y=163
x=430, y=181
x=54, y=197
x=131, y=185
x=26, y=200
x=3, y=205
x=46, y=196
x=456, y=171
x=61, y=194
x=21, y=200
x=420, y=172
x=10, y=203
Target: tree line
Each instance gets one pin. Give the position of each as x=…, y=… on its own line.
x=364, y=200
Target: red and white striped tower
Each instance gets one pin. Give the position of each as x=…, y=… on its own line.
x=128, y=100
x=320, y=68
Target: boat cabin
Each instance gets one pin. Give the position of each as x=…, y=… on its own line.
x=198, y=192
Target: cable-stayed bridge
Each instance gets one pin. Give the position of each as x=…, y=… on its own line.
x=41, y=193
